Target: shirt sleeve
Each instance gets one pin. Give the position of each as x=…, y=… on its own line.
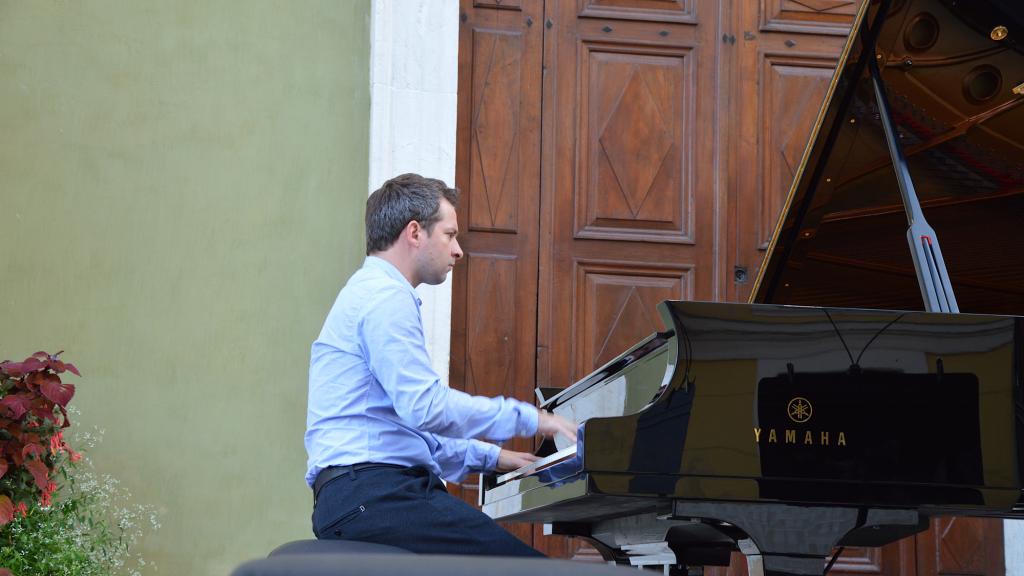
x=393, y=344
x=458, y=457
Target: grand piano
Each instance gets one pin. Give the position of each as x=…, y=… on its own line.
x=874, y=381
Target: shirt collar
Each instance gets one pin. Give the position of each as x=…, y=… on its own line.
x=388, y=268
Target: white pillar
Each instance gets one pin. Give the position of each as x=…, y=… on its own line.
x=414, y=56
x=1013, y=539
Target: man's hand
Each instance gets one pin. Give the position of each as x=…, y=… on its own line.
x=509, y=460
x=549, y=424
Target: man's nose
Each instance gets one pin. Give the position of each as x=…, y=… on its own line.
x=456, y=249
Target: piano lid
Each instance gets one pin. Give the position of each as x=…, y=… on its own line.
x=954, y=73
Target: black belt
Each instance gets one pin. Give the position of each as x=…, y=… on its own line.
x=332, y=472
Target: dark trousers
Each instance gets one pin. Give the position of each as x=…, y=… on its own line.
x=409, y=508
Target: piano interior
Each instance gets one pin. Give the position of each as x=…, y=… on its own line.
x=957, y=98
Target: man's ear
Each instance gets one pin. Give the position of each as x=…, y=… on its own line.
x=413, y=232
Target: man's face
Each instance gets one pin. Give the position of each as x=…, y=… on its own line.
x=439, y=250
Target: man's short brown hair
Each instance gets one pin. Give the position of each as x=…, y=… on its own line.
x=401, y=200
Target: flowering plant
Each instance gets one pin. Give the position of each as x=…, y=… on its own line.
x=58, y=515
x=90, y=529
x=33, y=413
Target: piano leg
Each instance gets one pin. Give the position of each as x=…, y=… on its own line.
x=582, y=531
x=784, y=565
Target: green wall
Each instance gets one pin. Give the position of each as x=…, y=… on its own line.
x=181, y=192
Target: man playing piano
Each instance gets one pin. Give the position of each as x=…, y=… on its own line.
x=381, y=426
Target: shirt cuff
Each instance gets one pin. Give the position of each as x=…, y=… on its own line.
x=528, y=420
x=490, y=456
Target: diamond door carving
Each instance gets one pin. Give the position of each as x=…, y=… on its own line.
x=617, y=307
x=637, y=135
x=494, y=176
x=785, y=79
x=793, y=90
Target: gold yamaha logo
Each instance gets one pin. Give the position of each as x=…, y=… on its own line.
x=799, y=410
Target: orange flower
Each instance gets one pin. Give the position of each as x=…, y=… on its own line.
x=45, y=500
x=75, y=456
x=57, y=444
x=21, y=509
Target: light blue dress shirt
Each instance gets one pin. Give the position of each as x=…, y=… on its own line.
x=374, y=397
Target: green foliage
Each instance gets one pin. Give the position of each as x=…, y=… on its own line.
x=89, y=530
x=44, y=543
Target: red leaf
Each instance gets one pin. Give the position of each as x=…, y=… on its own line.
x=6, y=572
x=44, y=412
x=42, y=355
x=56, y=391
x=71, y=368
x=31, y=365
x=3, y=466
x=17, y=404
x=40, y=473
x=33, y=449
x=6, y=515
x=31, y=381
x=12, y=369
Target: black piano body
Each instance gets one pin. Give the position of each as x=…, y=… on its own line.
x=787, y=429
x=829, y=412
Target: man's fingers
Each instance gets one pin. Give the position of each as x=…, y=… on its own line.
x=572, y=433
x=569, y=431
x=551, y=424
x=509, y=460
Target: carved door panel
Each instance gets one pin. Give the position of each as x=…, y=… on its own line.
x=498, y=172
x=961, y=547
x=785, y=54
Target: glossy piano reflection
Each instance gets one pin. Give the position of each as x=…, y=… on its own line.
x=794, y=406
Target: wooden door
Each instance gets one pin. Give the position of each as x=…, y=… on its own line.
x=628, y=189
x=494, y=328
